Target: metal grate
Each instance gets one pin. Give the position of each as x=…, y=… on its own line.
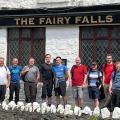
x=87, y=48
x=101, y=51
x=96, y=42
x=116, y=49
x=24, y=43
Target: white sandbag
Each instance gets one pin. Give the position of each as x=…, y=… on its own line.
x=48, y=108
x=28, y=107
x=4, y=104
x=70, y=112
x=62, y=111
x=67, y=107
x=38, y=109
x=12, y=105
x=35, y=106
x=53, y=108
x=87, y=110
x=43, y=111
x=44, y=105
x=60, y=108
x=22, y=108
x=19, y=104
x=96, y=111
x=105, y=113
x=79, y=112
x=116, y=113
x=76, y=110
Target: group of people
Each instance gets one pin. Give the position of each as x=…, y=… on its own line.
x=54, y=76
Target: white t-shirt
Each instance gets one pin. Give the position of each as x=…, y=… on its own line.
x=4, y=71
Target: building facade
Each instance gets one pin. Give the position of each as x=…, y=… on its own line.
x=67, y=31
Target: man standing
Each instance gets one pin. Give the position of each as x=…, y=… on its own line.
x=31, y=78
x=107, y=69
x=4, y=79
x=61, y=76
x=47, y=79
x=78, y=76
x=114, y=87
x=15, y=71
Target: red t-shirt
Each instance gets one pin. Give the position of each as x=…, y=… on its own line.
x=78, y=74
x=107, y=70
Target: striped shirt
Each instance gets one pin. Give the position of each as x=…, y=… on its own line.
x=94, y=77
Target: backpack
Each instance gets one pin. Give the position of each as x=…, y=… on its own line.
x=102, y=93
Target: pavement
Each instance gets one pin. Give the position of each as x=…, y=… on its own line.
x=87, y=101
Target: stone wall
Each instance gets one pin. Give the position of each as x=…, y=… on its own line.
x=5, y=4
x=3, y=43
x=64, y=42
x=8, y=4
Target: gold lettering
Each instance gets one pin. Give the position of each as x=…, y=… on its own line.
x=24, y=21
x=31, y=21
x=109, y=19
x=92, y=19
x=41, y=20
x=85, y=19
x=17, y=21
x=48, y=21
x=77, y=19
x=54, y=22
x=60, y=20
x=67, y=19
x=100, y=20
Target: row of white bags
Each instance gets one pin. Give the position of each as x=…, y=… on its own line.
x=68, y=110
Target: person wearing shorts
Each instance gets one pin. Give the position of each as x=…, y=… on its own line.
x=60, y=76
x=94, y=84
x=47, y=79
x=78, y=77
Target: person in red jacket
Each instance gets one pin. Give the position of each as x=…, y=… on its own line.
x=78, y=77
x=107, y=70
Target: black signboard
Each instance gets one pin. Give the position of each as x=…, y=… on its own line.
x=71, y=18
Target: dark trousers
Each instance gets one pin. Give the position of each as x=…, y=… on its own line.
x=14, y=88
x=2, y=92
x=116, y=98
x=30, y=89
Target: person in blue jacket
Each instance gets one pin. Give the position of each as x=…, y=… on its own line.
x=15, y=71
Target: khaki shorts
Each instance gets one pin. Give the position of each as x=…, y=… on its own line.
x=77, y=92
x=106, y=89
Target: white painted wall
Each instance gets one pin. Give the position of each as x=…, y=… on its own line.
x=63, y=41
x=18, y=3
x=52, y=3
x=3, y=43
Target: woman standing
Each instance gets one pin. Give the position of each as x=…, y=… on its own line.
x=94, y=83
